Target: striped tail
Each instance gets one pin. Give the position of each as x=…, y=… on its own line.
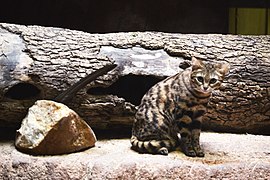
x=152, y=146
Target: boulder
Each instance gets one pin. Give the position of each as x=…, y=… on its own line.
x=53, y=128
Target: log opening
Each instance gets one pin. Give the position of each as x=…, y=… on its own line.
x=130, y=87
x=23, y=91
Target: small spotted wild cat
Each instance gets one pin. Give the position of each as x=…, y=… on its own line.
x=176, y=105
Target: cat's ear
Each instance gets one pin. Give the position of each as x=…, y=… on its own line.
x=196, y=63
x=223, y=68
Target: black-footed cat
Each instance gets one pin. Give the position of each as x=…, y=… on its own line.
x=176, y=105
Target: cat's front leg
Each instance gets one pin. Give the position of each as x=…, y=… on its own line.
x=195, y=137
x=184, y=125
x=186, y=145
x=196, y=143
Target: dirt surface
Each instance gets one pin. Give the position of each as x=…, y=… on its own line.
x=228, y=156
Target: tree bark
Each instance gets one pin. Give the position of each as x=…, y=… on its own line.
x=41, y=62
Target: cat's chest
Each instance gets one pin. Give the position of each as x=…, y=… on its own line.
x=183, y=102
x=189, y=104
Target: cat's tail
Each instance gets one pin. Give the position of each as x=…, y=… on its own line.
x=152, y=146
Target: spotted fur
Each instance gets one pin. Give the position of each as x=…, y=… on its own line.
x=175, y=106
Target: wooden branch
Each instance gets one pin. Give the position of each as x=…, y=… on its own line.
x=41, y=62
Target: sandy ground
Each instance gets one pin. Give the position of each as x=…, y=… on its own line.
x=228, y=156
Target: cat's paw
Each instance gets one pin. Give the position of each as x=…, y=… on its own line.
x=188, y=150
x=199, y=152
x=190, y=153
x=163, y=151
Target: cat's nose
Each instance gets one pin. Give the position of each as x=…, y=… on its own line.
x=205, y=88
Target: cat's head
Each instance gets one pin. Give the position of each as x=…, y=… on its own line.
x=206, y=77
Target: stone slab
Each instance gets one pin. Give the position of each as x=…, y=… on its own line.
x=228, y=156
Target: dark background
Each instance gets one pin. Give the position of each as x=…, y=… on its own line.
x=102, y=16
x=184, y=16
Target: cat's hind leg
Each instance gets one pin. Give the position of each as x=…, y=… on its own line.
x=152, y=146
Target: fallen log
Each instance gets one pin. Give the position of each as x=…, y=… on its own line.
x=41, y=62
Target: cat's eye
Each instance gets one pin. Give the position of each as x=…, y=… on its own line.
x=213, y=81
x=200, y=79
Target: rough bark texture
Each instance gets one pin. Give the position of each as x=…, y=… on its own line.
x=52, y=59
x=228, y=156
